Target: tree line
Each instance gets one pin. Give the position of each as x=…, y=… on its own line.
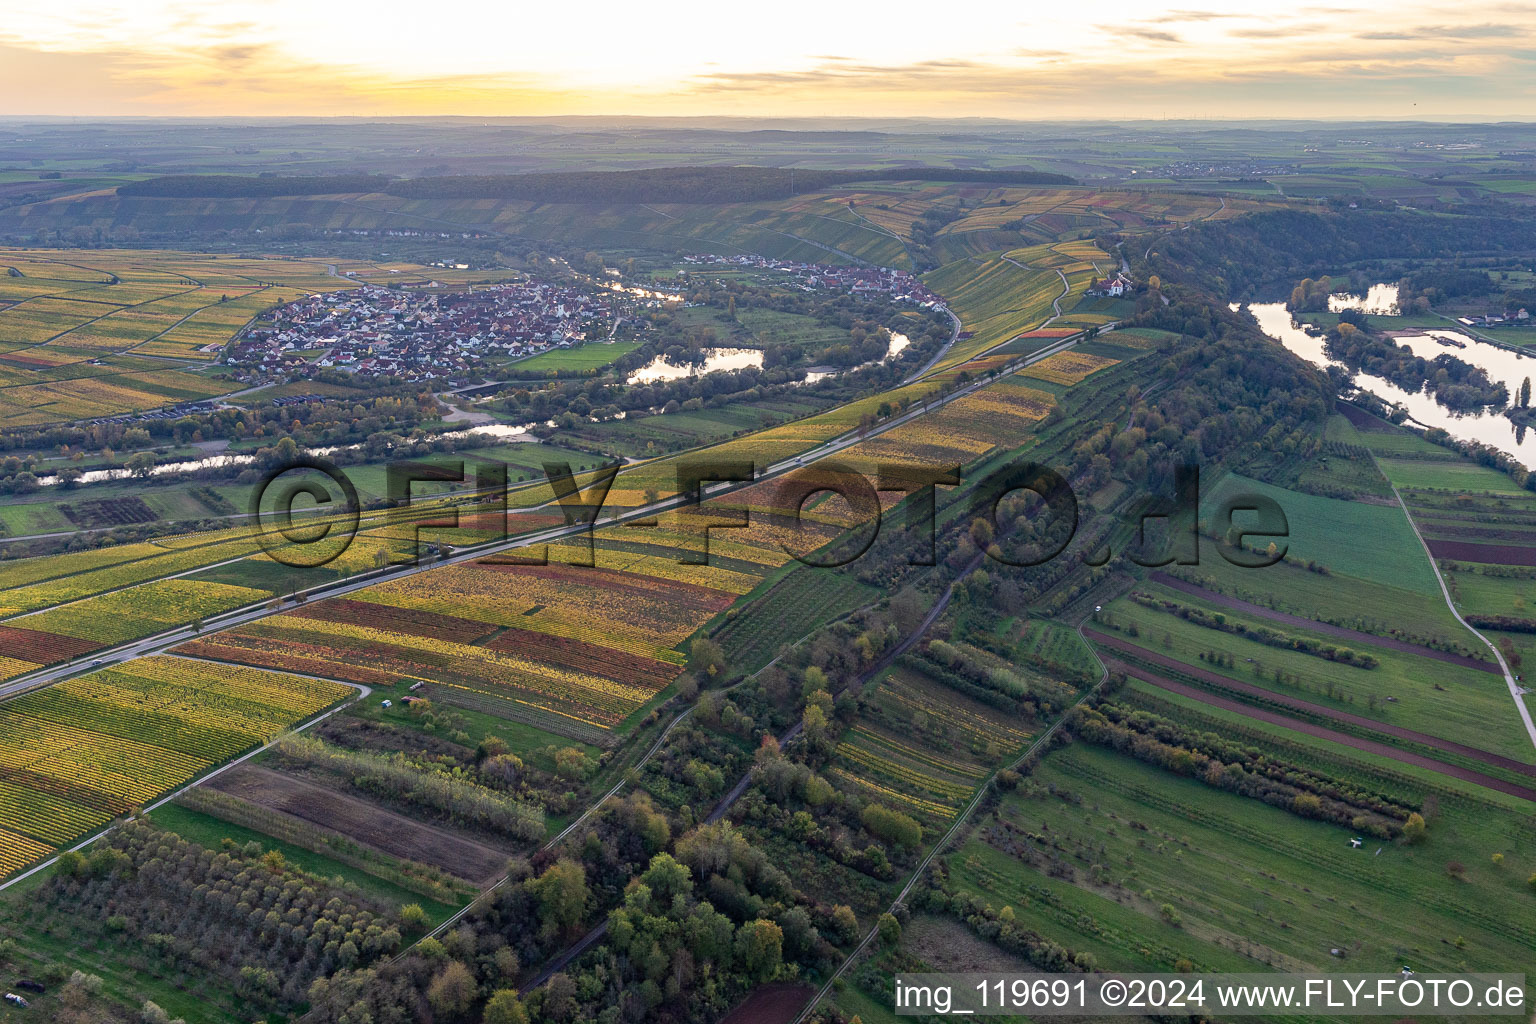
x=648, y=185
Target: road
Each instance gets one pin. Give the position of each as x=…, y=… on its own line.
x=954, y=335
x=251, y=613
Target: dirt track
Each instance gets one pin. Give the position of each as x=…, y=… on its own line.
x=357, y=819
x=1238, y=605
x=1370, y=746
x=1215, y=679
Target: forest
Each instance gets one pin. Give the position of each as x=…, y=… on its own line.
x=651, y=185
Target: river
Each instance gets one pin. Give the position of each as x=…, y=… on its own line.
x=501, y=431
x=1501, y=364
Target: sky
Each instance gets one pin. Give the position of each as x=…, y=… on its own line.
x=1032, y=60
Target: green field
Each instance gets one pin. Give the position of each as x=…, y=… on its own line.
x=1477, y=594
x=774, y=327
x=1371, y=542
x=1452, y=474
x=1251, y=886
x=803, y=598
x=1440, y=699
x=582, y=359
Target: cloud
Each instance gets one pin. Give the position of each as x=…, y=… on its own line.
x=1447, y=32
x=1180, y=16
x=1295, y=62
x=1277, y=31
x=1152, y=35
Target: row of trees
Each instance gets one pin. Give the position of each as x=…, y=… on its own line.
x=1260, y=634
x=237, y=915
x=446, y=796
x=1237, y=768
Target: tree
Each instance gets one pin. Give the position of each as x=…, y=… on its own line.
x=708, y=658
x=561, y=892
x=814, y=723
x=760, y=948
x=900, y=830
x=846, y=923
x=505, y=1008
x=571, y=763
x=890, y=930
x=1525, y=393
x=667, y=879
x=452, y=992
x=412, y=918
x=141, y=464
x=1414, y=828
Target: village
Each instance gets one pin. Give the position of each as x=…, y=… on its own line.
x=418, y=335
x=899, y=285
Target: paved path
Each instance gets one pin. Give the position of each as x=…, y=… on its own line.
x=1509, y=679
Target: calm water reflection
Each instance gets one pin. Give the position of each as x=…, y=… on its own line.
x=1490, y=427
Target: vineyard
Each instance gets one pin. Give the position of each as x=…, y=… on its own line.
x=124, y=615
x=81, y=752
x=1068, y=367
x=1000, y=415
x=923, y=748
x=90, y=337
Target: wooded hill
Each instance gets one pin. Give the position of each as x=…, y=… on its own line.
x=652, y=185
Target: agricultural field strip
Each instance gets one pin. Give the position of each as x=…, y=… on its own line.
x=1509, y=678
x=1305, y=728
x=592, y=701
x=1254, y=692
x=205, y=776
x=196, y=286
x=959, y=822
x=624, y=780
x=801, y=459
x=1238, y=605
x=165, y=549
x=144, y=279
x=544, y=505
x=239, y=616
